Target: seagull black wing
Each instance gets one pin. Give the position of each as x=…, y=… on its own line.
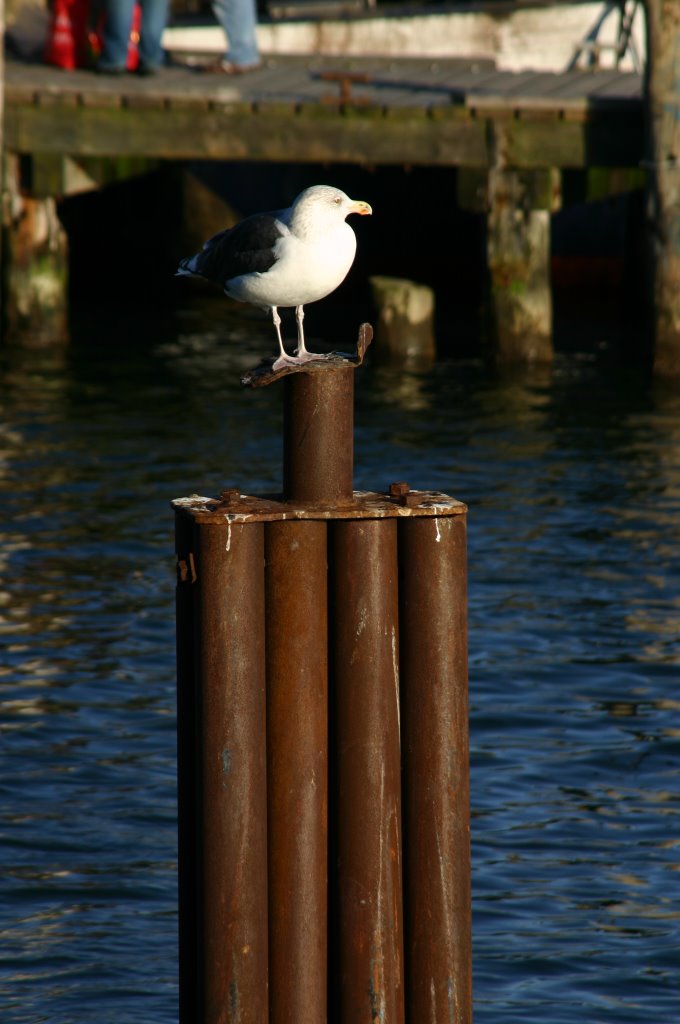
x=247, y=248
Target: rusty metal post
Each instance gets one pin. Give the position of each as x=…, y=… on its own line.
x=185, y=604
x=297, y=768
x=232, y=912
x=433, y=638
x=258, y=903
x=366, y=680
x=318, y=446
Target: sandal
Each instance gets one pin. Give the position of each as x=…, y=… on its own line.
x=226, y=67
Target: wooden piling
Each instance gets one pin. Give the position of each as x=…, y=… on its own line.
x=518, y=259
x=405, y=327
x=662, y=98
x=3, y=158
x=36, y=267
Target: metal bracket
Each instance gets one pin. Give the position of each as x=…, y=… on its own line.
x=345, y=80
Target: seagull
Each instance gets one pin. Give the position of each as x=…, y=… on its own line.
x=284, y=258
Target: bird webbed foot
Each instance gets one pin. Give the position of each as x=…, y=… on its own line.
x=303, y=356
x=286, y=360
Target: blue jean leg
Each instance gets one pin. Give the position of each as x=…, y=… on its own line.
x=154, y=20
x=238, y=18
x=116, y=34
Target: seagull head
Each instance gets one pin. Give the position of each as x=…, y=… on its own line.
x=323, y=206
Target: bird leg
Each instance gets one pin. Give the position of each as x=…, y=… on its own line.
x=303, y=356
x=284, y=359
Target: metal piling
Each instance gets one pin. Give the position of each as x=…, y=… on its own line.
x=318, y=425
x=323, y=814
x=366, y=678
x=433, y=637
x=232, y=796
x=297, y=768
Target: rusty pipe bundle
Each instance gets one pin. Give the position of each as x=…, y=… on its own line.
x=322, y=743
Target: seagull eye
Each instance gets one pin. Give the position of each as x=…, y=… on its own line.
x=337, y=200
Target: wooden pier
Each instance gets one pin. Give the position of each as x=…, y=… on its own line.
x=405, y=112
x=508, y=134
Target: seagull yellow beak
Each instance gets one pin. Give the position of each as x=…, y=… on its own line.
x=360, y=207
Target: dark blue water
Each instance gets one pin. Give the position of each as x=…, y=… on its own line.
x=572, y=475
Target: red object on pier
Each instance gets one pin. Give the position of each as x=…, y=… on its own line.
x=73, y=41
x=67, y=37
x=133, y=45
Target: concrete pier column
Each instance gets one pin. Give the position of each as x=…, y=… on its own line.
x=35, y=267
x=662, y=98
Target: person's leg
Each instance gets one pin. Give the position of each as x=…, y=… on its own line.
x=238, y=18
x=116, y=35
x=154, y=20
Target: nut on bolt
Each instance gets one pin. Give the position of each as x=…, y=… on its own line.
x=405, y=496
x=230, y=496
x=399, y=489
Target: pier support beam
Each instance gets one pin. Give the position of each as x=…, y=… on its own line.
x=35, y=267
x=662, y=97
x=518, y=259
x=2, y=139
x=517, y=205
x=203, y=211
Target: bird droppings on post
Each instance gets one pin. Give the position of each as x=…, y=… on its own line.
x=284, y=258
x=191, y=501
x=363, y=505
